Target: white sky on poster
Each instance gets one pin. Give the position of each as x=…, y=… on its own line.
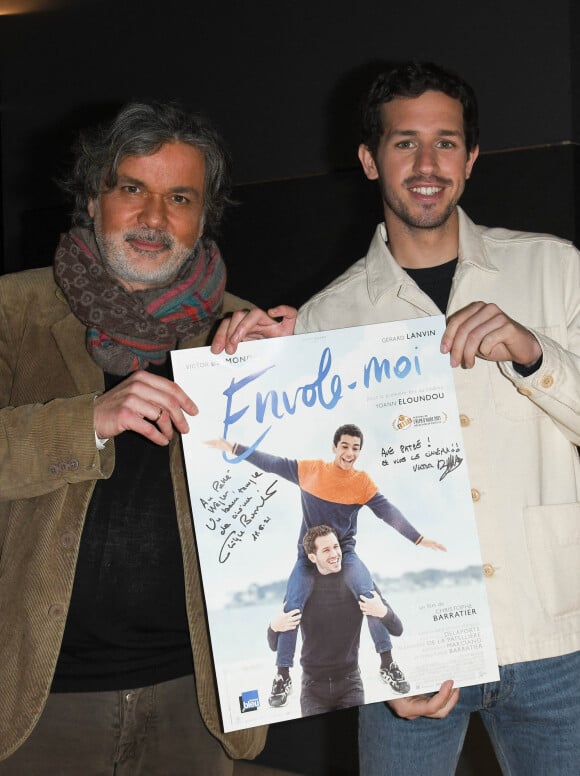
x=440, y=510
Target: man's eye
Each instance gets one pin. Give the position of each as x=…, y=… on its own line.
x=179, y=199
x=130, y=189
x=405, y=144
x=446, y=144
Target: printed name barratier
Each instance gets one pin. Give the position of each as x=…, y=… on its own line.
x=453, y=612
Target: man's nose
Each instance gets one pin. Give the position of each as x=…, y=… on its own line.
x=425, y=159
x=153, y=212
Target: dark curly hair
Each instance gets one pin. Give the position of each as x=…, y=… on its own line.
x=312, y=534
x=140, y=129
x=412, y=79
x=350, y=430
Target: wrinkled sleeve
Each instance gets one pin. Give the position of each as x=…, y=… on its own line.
x=555, y=386
x=43, y=445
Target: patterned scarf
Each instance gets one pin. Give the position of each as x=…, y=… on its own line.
x=126, y=331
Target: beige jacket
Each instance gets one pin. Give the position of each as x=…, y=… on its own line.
x=519, y=432
x=48, y=469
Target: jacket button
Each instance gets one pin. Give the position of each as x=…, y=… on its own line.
x=488, y=570
x=56, y=612
x=547, y=381
x=73, y=464
x=67, y=540
x=475, y=494
x=525, y=392
x=53, y=469
x=464, y=420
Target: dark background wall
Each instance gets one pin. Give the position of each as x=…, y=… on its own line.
x=282, y=80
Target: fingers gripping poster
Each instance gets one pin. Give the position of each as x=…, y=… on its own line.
x=333, y=517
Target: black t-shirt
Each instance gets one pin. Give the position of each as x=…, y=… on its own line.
x=127, y=622
x=435, y=281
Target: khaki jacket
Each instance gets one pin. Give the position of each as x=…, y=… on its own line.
x=519, y=431
x=48, y=469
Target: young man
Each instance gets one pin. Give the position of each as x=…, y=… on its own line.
x=330, y=627
x=101, y=614
x=513, y=334
x=333, y=493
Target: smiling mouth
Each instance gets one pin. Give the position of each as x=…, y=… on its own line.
x=426, y=191
x=148, y=242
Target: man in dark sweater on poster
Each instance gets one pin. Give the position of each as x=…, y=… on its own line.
x=330, y=625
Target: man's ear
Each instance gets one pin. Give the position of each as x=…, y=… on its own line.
x=368, y=163
x=312, y=557
x=91, y=208
x=471, y=157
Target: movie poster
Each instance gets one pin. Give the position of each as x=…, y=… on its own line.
x=264, y=464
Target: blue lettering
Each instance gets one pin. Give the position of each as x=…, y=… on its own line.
x=402, y=367
x=379, y=369
x=277, y=405
x=326, y=390
x=231, y=418
x=376, y=370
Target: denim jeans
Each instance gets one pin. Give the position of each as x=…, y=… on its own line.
x=300, y=583
x=320, y=695
x=532, y=716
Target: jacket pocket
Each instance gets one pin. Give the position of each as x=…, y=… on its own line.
x=553, y=538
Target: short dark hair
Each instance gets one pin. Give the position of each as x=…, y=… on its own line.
x=140, y=129
x=314, y=533
x=350, y=430
x=412, y=79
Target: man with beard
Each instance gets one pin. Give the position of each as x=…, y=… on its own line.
x=105, y=659
x=512, y=302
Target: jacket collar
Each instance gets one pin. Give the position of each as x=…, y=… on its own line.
x=472, y=248
x=385, y=276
